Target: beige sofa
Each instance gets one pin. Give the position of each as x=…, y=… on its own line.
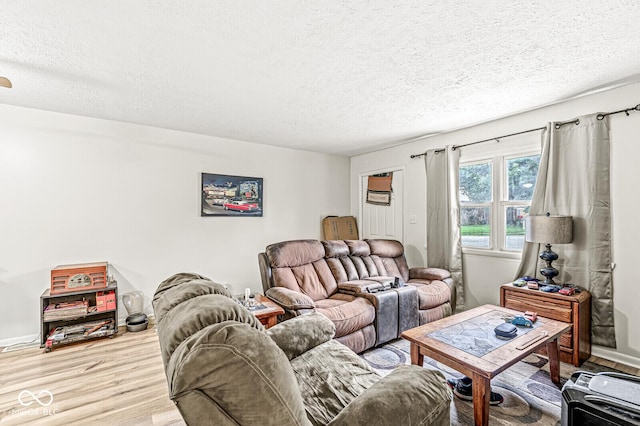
x=351, y=283
x=223, y=368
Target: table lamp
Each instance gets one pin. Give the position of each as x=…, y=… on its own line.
x=549, y=230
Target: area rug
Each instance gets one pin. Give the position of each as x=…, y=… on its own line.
x=530, y=397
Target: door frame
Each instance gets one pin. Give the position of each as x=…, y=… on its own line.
x=362, y=190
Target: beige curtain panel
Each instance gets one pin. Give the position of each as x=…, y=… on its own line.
x=573, y=180
x=444, y=243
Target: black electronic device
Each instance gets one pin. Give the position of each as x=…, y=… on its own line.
x=601, y=399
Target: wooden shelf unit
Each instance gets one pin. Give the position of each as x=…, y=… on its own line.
x=90, y=295
x=575, y=345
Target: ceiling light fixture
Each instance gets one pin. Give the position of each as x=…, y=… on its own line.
x=5, y=82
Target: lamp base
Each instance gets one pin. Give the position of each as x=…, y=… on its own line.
x=549, y=271
x=548, y=281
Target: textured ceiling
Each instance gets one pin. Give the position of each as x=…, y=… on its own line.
x=339, y=77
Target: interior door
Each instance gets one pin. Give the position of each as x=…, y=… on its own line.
x=383, y=222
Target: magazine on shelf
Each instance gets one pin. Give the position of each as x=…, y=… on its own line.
x=65, y=310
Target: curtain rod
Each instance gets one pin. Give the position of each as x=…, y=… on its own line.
x=557, y=126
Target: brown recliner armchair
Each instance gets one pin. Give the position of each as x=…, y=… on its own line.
x=223, y=368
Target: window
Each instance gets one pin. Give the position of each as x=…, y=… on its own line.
x=476, y=198
x=495, y=197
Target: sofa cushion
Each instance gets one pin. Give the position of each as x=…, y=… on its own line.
x=429, y=273
x=350, y=260
x=385, y=400
x=313, y=279
x=290, y=299
x=348, y=313
x=335, y=248
x=361, y=340
x=431, y=293
x=430, y=315
x=242, y=375
x=386, y=248
x=302, y=333
x=358, y=248
x=391, y=254
x=330, y=376
x=396, y=267
x=353, y=268
x=300, y=265
x=289, y=254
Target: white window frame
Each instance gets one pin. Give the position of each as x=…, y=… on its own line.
x=499, y=203
x=490, y=204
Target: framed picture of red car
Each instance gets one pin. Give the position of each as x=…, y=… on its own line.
x=227, y=195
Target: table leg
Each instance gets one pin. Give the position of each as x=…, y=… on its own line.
x=553, y=352
x=271, y=321
x=416, y=357
x=481, y=389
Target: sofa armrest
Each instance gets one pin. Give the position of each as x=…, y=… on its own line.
x=365, y=286
x=299, y=334
x=428, y=273
x=289, y=299
x=359, y=288
x=410, y=395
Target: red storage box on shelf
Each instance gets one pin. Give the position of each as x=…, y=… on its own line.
x=105, y=300
x=111, y=300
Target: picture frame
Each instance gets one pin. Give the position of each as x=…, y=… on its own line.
x=229, y=195
x=379, y=197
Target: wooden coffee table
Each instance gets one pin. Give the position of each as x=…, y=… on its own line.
x=483, y=368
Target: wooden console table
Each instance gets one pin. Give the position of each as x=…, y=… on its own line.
x=575, y=345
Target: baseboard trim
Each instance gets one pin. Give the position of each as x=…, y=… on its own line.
x=26, y=340
x=613, y=355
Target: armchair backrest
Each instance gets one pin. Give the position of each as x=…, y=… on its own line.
x=222, y=367
x=351, y=260
x=300, y=265
x=391, y=254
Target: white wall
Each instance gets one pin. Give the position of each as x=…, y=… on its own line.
x=76, y=189
x=484, y=275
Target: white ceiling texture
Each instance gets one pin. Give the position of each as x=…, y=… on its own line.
x=341, y=77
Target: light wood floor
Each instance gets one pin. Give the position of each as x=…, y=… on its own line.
x=117, y=381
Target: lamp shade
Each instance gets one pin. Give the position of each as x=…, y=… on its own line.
x=549, y=229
